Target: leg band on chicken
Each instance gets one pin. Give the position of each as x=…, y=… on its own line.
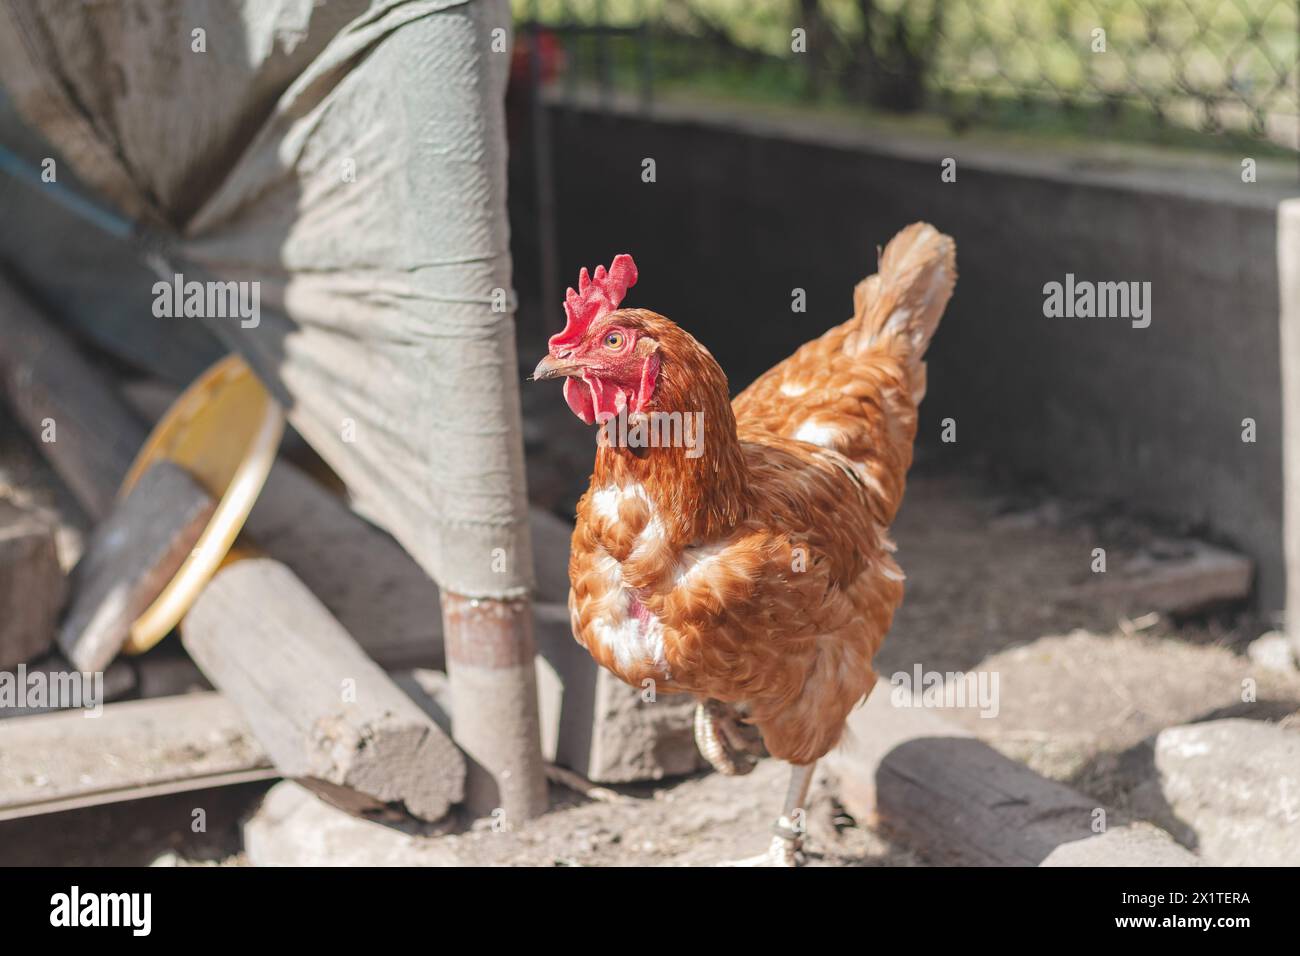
x=786, y=848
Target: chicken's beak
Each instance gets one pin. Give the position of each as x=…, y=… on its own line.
x=552, y=367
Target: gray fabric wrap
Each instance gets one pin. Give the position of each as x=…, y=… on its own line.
x=378, y=329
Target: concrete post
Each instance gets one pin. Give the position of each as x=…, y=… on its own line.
x=491, y=672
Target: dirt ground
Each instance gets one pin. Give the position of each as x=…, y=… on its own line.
x=996, y=581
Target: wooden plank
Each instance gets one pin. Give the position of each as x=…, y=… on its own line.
x=32, y=585
x=68, y=406
x=1172, y=577
x=135, y=748
x=192, y=718
x=197, y=781
x=51, y=684
x=961, y=801
x=373, y=587
x=131, y=557
x=324, y=711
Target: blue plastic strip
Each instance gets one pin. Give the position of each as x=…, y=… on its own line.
x=77, y=204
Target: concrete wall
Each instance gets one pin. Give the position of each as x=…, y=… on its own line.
x=744, y=210
x=1288, y=263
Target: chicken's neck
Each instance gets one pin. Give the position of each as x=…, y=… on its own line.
x=685, y=455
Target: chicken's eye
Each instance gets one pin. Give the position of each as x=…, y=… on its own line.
x=614, y=340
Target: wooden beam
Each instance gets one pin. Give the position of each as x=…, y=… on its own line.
x=325, y=712
x=962, y=802
x=131, y=557
x=133, y=749
x=31, y=585
x=143, y=750
x=1190, y=577
x=66, y=404
x=373, y=587
x=52, y=685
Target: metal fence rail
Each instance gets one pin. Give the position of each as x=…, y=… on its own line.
x=1186, y=71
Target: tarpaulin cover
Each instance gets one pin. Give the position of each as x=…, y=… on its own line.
x=350, y=158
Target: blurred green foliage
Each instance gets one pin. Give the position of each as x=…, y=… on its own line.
x=1192, y=72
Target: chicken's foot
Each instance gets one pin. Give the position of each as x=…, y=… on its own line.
x=786, y=848
x=721, y=740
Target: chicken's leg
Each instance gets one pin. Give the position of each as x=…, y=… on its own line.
x=787, y=844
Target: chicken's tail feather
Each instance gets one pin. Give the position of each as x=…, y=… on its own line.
x=899, y=307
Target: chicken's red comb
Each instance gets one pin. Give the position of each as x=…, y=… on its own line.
x=596, y=296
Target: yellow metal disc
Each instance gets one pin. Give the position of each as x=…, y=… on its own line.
x=224, y=430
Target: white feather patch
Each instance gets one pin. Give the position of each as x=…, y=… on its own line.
x=693, y=562
x=815, y=433
x=632, y=640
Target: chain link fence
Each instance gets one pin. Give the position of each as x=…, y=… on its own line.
x=1190, y=72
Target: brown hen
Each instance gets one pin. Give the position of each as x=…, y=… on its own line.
x=739, y=550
